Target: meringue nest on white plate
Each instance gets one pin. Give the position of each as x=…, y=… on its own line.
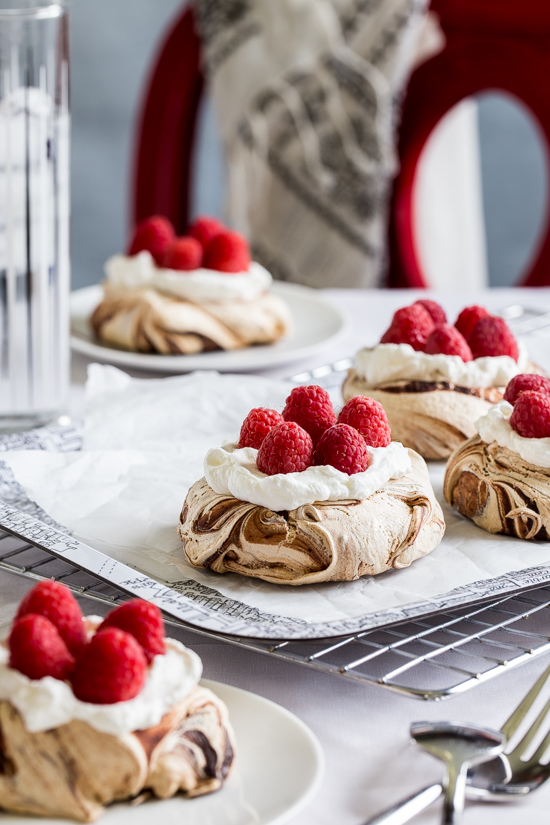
x=144, y=320
x=74, y=770
x=498, y=490
x=325, y=541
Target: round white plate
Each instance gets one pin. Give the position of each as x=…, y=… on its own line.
x=316, y=325
x=278, y=769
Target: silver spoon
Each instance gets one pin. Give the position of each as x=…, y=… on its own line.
x=460, y=747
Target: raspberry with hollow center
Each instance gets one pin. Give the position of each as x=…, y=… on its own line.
x=447, y=340
x=468, y=318
x=311, y=408
x=343, y=447
x=37, y=649
x=369, y=418
x=205, y=229
x=523, y=382
x=228, y=252
x=491, y=336
x=531, y=415
x=410, y=325
x=155, y=235
x=143, y=621
x=434, y=309
x=287, y=448
x=256, y=426
x=111, y=668
x=184, y=255
x=56, y=602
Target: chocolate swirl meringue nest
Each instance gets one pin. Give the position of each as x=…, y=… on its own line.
x=498, y=490
x=73, y=771
x=144, y=320
x=325, y=541
x=431, y=417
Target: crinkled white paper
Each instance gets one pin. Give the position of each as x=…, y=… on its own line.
x=144, y=445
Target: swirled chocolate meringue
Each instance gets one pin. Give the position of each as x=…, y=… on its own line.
x=324, y=541
x=427, y=409
x=74, y=770
x=146, y=320
x=499, y=490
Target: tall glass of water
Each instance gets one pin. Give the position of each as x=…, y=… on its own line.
x=34, y=212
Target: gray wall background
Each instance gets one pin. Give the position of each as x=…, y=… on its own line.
x=113, y=43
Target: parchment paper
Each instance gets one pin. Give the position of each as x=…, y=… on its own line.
x=144, y=443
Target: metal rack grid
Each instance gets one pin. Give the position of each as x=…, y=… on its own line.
x=432, y=658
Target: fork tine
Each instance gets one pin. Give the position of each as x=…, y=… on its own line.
x=515, y=755
x=539, y=753
x=518, y=715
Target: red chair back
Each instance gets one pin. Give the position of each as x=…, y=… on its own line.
x=166, y=128
x=491, y=44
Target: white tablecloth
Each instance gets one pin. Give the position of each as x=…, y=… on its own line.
x=363, y=730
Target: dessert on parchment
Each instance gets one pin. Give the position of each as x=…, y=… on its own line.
x=500, y=478
x=304, y=497
x=435, y=380
x=93, y=712
x=186, y=295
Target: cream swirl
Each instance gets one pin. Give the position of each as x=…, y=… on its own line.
x=495, y=426
x=388, y=363
x=199, y=286
x=48, y=703
x=233, y=471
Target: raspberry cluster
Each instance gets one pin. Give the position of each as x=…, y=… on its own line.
x=476, y=333
x=530, y=397
x=49, y=638
x=208, y=243
x=309, y=433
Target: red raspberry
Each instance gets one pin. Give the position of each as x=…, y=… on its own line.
x=448, y=340
x=410, y=325
x=228, y=252
x=286, y=448
x=185, y=254
x=57, y=603
x=37, y=649
x=111, y=668
x=256, y=426
x=468, y=318
x=343, y=447
x=491, y=336
x=311, y=408
x=205, y=229
x=435, y=310
x=524, y=382
x=369, y=418
x=144, y=621
x=531, y=415
x=155, y=235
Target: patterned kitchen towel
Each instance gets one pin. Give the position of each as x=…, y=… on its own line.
x=307, y=93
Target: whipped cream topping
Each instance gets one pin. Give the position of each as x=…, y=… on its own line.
x=199, y=286
x=388, y=363
x=495, y=426
x=233, y=471
x=47, y=703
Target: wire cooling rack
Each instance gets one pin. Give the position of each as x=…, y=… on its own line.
x=432, y=658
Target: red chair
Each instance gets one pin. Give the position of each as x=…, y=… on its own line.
x=491, y=44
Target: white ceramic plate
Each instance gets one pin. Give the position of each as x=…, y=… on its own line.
x=278, y=770
x=316, y=325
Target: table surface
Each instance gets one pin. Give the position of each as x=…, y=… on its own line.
x=363, y=730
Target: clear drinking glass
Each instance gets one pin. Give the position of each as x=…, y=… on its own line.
x=34, y=212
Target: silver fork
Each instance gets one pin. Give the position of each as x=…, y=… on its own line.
x=489, y=781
